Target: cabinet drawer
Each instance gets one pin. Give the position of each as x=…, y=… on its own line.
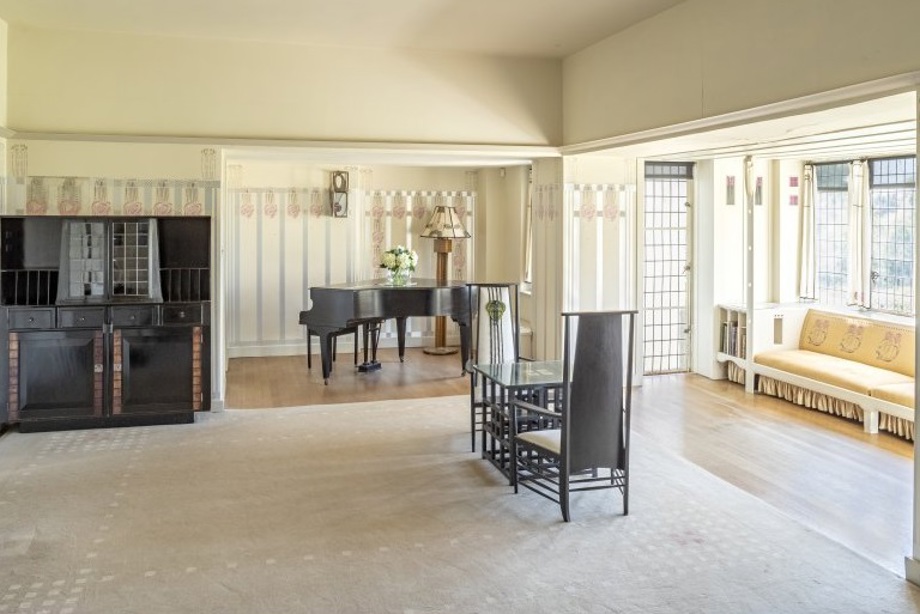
x=182, y=314
x=136, y=315
x=31, y=318
x=81, y=317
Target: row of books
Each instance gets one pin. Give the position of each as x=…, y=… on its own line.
x=734, y=339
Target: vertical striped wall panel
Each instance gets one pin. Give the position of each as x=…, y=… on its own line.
x=601, y=247
x=282, y=241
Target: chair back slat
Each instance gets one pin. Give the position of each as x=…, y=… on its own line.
x=496, y=334
x=594, y=428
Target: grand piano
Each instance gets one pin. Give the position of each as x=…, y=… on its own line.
x=368, y=303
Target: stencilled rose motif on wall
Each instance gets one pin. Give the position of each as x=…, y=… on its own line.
x=101, y=204
x=133, y=204
x=247, y=209
x=610, y=210
x=316, y=203
x=70, y=199
x=419, y=208
x=378, y=210
x=588, y=212
x=192, y=204
x=293, y=207
x=134, y=207
x=37, y=197
x=163, y=205
x=399, y=207
x=270, y=208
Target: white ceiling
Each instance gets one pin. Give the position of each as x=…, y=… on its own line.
x=530, y=28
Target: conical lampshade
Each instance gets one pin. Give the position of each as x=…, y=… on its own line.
x=445, y=224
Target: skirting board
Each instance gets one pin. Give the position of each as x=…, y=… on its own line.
x=912, y=570
x=344, y=345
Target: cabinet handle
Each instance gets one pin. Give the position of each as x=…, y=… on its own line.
x=182, y=314
x=31, y=320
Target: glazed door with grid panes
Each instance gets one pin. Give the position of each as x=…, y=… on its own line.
x=666, y=279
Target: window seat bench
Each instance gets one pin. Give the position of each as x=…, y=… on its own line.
x=855, y=367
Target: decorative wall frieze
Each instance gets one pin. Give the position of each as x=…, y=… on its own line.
x=112, y=196
x=596, y=201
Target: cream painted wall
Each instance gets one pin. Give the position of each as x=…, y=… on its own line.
x=727, y=232
x=124, y=160
x=4, y=61
x=500, y=227
x=786, y=230
x=704, y=58
x=600, y=210
x=597, y=168
x=548, y=259
x=62, y=81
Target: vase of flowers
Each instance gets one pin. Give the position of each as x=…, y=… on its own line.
x=399, y=263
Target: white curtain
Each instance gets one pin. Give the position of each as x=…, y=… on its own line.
x=807, y=254
x=860, y=239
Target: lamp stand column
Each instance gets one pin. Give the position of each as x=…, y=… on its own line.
x=442, y=247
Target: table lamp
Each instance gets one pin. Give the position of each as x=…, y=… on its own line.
x=444, y=226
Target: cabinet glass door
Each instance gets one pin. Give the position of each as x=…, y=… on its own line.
x=131, y=259
x=85, y=266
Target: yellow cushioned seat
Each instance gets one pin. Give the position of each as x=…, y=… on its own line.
x=900, y=394
x=832, y=370
x=872, y=342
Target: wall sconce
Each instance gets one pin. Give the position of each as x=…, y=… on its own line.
x=338, y=194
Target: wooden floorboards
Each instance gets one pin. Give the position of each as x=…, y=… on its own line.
x=822, y=470
x=286, y=382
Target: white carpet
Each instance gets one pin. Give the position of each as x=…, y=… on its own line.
x=380, y=507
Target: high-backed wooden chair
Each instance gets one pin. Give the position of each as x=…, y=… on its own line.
x=587, y=444
x=494, y=339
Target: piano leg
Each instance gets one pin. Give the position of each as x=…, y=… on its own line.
x=401, y=337
x=371, y=333
x=325, y=351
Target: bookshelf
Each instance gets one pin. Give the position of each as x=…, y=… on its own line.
x=743, y=333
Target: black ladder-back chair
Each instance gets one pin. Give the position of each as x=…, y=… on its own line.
x=495, y=337
x=586, y=446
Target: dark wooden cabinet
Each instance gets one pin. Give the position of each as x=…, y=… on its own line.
x=128, y=352
x=53, y=374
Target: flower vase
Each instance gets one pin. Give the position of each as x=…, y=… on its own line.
x=399, y=277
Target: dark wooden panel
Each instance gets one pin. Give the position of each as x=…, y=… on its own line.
x=184, y=242
x=81, y=317
x=58, y=374
x=150, y=358
x=31, y=318
x=182, y=314
x=134, y=315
